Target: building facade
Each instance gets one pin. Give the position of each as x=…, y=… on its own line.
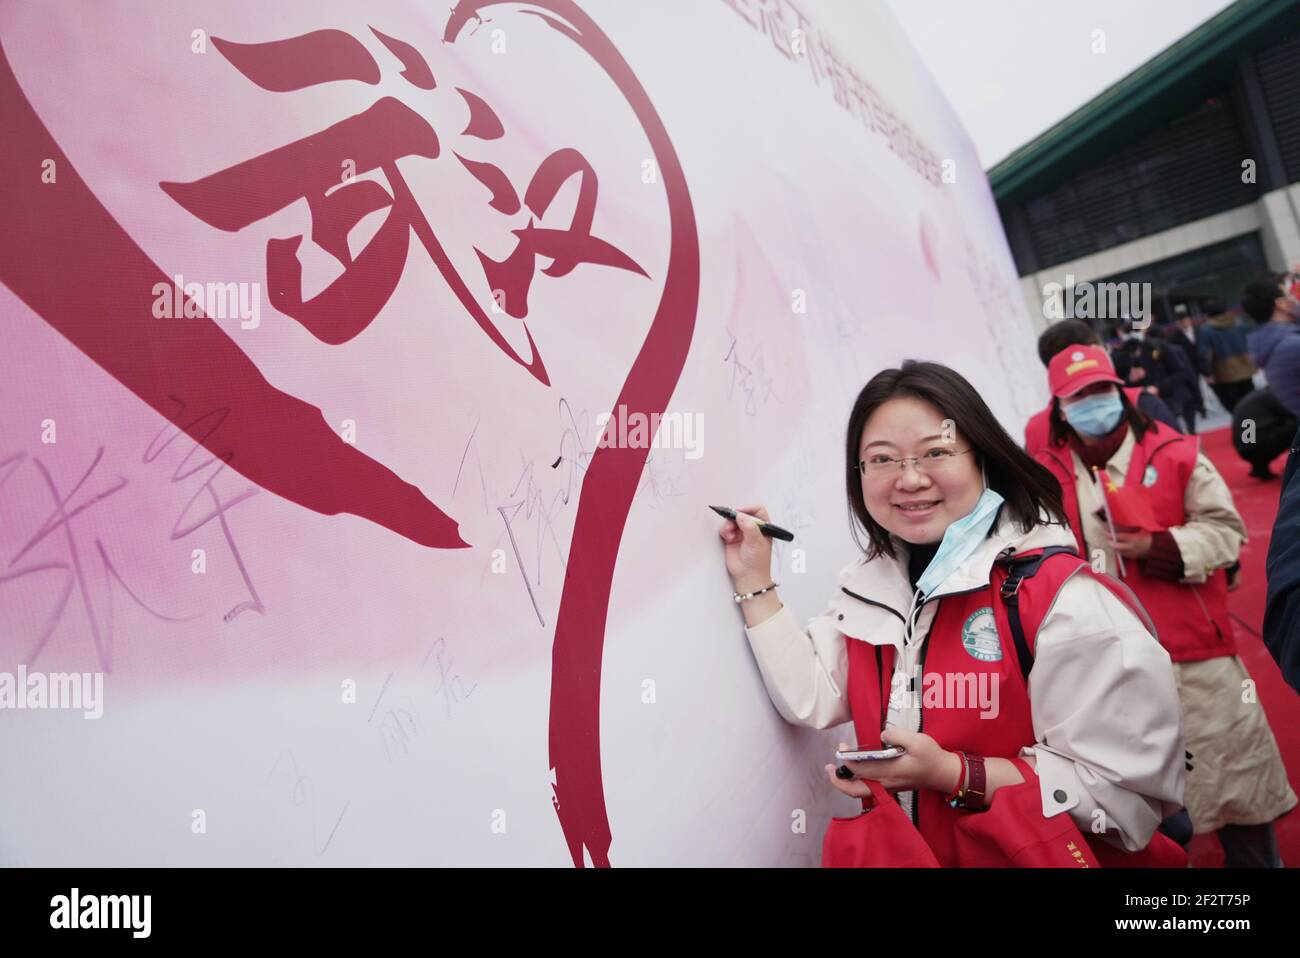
x=1185, y=175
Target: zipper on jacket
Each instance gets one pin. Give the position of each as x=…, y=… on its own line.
x=920, y=724
x=920, y=711
x=920, y=727
x=1204, y=611
x=913, y=614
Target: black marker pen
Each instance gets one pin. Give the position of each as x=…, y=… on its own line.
x=775, y=532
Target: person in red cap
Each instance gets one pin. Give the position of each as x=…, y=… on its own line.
x=1145, y=503
x=1075, y=332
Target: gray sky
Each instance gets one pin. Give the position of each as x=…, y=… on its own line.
x=1012, y=68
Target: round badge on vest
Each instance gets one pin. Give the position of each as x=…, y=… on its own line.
x=1150, y=476
x=979, y=636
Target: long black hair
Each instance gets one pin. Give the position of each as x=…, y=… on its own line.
x=1028, y=487
x=1059, y=430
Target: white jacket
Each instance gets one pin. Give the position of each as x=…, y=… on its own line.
x=1104, y=701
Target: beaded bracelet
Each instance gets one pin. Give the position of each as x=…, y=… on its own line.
x=749, y=595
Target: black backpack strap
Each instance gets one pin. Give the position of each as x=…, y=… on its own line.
x=1018, y=570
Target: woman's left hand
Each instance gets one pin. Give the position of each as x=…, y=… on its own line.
x=924, y=764
x=1132, y=545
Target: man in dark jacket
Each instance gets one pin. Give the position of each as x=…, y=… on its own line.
x=1146, y=361
x=1183, y=335
x=1282, y=610
x=1275, y=344
x=1261, y=430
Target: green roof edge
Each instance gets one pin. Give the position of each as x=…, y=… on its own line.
x=1130, y=94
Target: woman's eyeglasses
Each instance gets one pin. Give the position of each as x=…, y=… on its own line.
x=931, y=461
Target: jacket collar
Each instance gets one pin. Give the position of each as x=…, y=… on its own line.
x=884, y=581
x=1158, y=436
x=1119, y=459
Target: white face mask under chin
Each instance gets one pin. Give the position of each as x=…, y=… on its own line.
x=961, y=539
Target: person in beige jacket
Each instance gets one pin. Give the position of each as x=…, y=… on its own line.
x=943, y=492
x=1114, y=464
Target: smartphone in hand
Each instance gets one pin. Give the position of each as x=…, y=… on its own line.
x=862, y=754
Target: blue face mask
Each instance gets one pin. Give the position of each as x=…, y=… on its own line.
x=1096, y=415
x=960, y=541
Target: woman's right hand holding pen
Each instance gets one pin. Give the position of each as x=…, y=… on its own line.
x=749, y=562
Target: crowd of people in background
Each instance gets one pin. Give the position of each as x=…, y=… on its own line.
x=1227, y=348
x=1158, y=371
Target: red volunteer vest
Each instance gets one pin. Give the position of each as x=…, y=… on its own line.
x=968, y=645
x=1191, y=621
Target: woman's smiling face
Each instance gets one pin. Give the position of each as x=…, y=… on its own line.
x=919, y=501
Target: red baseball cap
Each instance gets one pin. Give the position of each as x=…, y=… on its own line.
x=1075, y=367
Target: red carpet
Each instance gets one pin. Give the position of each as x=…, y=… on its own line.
x=1257, y=503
